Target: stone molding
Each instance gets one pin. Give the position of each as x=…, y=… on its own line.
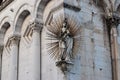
x=28, y=33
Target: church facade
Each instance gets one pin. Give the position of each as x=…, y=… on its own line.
x=60, y=40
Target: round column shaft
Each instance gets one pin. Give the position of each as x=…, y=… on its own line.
x=35, y=51
x=13, y=58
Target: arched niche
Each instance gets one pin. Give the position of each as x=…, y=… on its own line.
x=21, y=24
x=40, y=9
x=4, y=60
x=3, y=30
x=23, y=11
x=20, y=21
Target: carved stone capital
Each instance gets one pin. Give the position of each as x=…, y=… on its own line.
x=36, y=26
x=13, y=40
x=114, y=20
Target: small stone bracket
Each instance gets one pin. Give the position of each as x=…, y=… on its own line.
x=64, y=65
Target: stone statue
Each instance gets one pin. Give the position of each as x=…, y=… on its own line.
x=63, y=42
x=66, y=42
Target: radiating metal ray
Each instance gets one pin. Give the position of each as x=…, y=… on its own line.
x=54, y=32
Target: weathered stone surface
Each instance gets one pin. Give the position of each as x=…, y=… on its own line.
x=98, y=54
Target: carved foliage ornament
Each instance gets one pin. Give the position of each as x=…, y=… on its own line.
x=63, y=37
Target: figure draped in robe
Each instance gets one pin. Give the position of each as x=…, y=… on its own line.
x=66, y=42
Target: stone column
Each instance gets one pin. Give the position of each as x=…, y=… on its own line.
x=35, y=50
x=118, y=51
x=115, y=54
x=14, y=41
x=1, y=51
x=114, y=22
